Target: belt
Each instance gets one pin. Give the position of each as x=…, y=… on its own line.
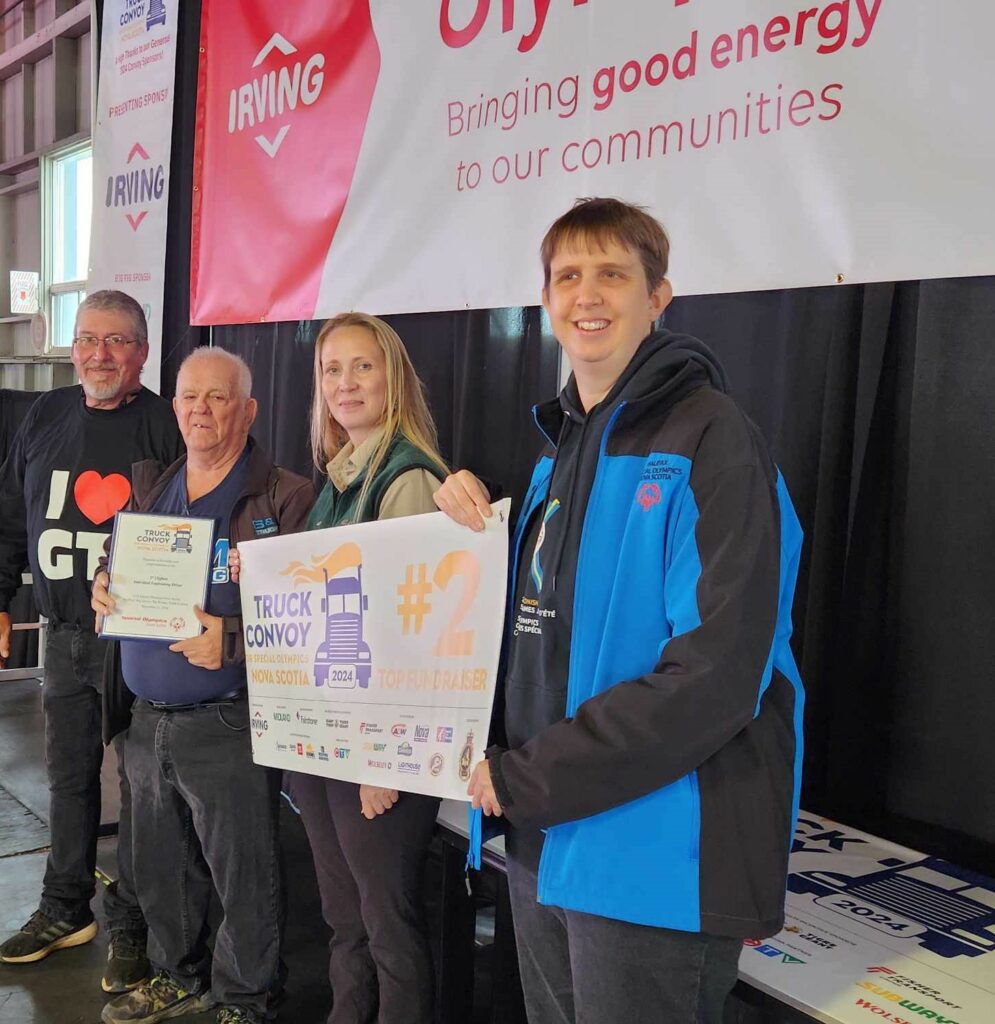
x=223, y=700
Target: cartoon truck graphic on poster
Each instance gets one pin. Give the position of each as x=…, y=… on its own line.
x=898, y=892
x=343, y=658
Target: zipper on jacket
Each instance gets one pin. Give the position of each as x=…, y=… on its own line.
x=692, y=778
x=475, y=838
x=546, y=855
x=579, y=590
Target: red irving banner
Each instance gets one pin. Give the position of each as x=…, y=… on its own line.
x=284, y=95
x=407, y=155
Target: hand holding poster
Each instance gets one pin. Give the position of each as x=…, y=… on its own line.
x=372, y=649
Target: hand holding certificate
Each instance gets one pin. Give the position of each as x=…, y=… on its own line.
x=159, y=569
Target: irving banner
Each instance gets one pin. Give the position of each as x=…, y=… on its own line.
x=371, y=650
x=132, y=138
x=407, y=155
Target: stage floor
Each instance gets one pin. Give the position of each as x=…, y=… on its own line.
x=65, y=988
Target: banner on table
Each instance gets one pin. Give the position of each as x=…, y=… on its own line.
x=132, y=138
x=371, y=650
x=876, y=928
x=407, y=155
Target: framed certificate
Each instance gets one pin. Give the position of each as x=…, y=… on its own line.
x=159, y=569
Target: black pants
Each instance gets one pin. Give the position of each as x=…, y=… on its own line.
x=370, y=879
x=583, y=969
x=204, y=812
x=74, y=661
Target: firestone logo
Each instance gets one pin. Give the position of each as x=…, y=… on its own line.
x=272, y=94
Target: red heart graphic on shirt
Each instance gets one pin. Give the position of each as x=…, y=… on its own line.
x=99, y=497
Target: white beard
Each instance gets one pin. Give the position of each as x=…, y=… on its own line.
x=102, y=391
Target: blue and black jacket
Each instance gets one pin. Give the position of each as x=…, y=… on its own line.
x=667, y=778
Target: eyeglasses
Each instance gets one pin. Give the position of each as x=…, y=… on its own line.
x=112, y=341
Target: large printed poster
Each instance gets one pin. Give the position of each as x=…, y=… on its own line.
x=407, y=155
x=132, y=138
x=876, y=931
x=371, y=650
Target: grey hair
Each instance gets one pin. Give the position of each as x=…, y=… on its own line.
x=112, y=301
x=239, y=367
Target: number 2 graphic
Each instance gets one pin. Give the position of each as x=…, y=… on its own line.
x=455, y=642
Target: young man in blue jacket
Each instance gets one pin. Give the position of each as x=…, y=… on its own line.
x=649, y=723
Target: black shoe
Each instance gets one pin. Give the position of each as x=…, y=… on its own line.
x=41, y=936
x=159, y=998
x=127, y=965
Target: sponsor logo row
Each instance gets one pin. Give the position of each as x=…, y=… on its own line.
x=400, y=730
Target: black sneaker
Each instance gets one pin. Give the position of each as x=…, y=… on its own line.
x=127, y=965
x=41, y=936
x=159, y=998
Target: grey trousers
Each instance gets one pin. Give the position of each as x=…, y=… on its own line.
x=204, y=814
x=583, y=969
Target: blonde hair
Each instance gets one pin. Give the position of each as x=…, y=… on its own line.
x=405, y=411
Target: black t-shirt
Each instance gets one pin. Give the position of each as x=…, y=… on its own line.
x=68, y=472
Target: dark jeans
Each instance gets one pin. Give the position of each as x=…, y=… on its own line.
x=582, y=969
x=370, y=881
x=203, y=813
x=74, y=663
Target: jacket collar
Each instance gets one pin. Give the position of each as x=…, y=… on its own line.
x=151, y=477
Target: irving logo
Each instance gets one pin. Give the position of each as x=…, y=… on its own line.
x=275, y=93
x=138, y=186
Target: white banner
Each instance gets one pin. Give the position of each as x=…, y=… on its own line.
x=131, y=147
x=874, y=930
x=372, y=650
x=782, y=145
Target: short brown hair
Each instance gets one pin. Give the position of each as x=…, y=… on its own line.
x=610, y=220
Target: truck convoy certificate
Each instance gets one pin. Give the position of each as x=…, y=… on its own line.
x=159, y=567
x=372, y=649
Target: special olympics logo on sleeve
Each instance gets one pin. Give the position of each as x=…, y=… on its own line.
x=648, y=495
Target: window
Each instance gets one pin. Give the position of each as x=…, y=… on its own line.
x=67, y=203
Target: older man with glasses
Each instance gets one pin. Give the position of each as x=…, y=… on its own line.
x=68, y=472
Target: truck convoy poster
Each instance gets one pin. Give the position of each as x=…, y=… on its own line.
x=372, y=649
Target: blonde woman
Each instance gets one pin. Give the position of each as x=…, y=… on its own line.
x=372, y=432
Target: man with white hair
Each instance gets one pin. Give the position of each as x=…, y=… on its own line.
x=202, y=811
x=68, y=472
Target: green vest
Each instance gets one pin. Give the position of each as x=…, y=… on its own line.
x=335, y=509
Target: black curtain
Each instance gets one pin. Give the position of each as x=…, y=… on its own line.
x=483, y=371
x=14, y=406
x=875, y=400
